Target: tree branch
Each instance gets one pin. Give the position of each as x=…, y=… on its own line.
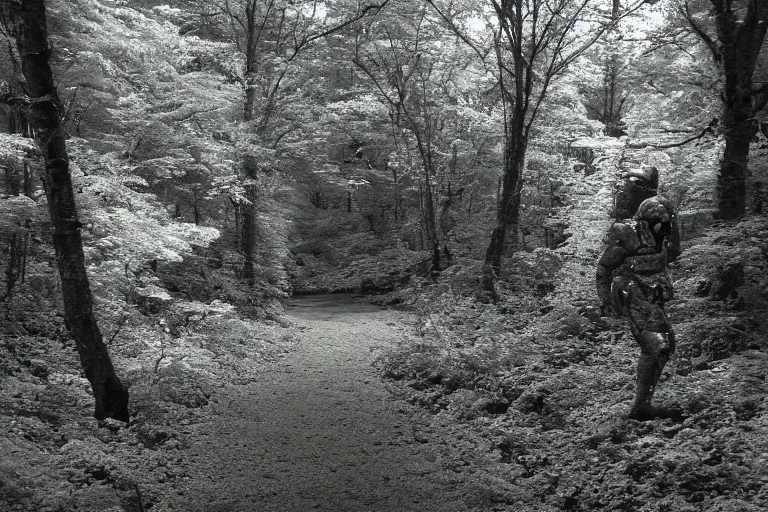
x=360, y=15
x=458, y=33
x=686, y=12
x=710, y=128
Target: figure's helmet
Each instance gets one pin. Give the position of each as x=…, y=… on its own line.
x=637, y=185
x=646, y=176
x=657, y=208
x=659, y=213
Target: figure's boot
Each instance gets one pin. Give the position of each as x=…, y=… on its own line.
x=649, y=370
x=648, y=373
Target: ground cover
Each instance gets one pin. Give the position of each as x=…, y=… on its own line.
x=174, y=354
x=535, y=388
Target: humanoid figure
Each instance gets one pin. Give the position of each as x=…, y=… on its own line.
x=633, y=281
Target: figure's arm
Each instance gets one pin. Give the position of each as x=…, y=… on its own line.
x=622, y=241
x=611, y=259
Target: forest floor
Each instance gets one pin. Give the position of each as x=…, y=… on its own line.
x=319, y=430
x=485, y=410
x=294, y=417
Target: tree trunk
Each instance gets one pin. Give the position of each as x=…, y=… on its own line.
x=739, y=128
x=12, y=272
x=248, y=243
x=248, y=221
x=250, y=61
x=428, y=213
x=111, y=397
x=237, y=228
x=250, y=100
x=741, y=42
x=27, y=180
x=248, y=214
x=195, y=208
x=508, y=213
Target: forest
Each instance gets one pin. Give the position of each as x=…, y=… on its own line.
x=346, y=255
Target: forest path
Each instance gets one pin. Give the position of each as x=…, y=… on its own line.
x=319, y=430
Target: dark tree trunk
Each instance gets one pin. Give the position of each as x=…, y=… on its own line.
x=248, y=213
x=396, y=190
x=195, y=208
x=237, y=228
x=27, y=180
x=17, y=258
x=508, y=212
x=249, y=82
x=111, y=397
x=428, y=213
x=12, y=182
x=248, y=221
x=250, y=99
x=12, y=272
x=741, y=42
x=248, y=243
x=739, y=128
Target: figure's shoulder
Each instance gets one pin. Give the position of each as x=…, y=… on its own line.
x=622, y=230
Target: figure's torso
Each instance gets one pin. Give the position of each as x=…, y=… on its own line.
x=645, y=262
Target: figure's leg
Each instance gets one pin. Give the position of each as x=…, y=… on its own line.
x=655, y=349
x=653, y=334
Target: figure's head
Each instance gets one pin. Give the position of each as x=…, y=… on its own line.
x=656, y=208
x=646, y=176
x=658, y=212
x=638, y=184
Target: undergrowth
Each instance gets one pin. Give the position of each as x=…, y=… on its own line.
x=539, y=384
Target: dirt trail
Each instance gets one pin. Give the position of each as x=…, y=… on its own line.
x=319, y=430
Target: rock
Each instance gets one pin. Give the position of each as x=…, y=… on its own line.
x=38, y=368
x=152, y=299
x=703, y=288
x=730, y=277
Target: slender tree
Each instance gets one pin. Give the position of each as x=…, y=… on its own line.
x=271, y=35
x=735, y=37
x=533, y=43
x=45, y=111
x=11, y=96
x=398, y=67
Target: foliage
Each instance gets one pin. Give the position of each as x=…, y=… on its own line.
x=542, y=382
x=353, y=137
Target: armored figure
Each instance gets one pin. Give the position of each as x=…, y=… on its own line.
x=633, y=281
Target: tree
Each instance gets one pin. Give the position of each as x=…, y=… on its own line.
x=271, y=34
x=45, y=111
x=405, y=80
x=734, y=33
x=12, y=110
x=533, y=42
x=606, y=89
x=430, y=89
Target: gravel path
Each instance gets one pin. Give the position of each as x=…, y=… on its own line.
x=319, y=431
